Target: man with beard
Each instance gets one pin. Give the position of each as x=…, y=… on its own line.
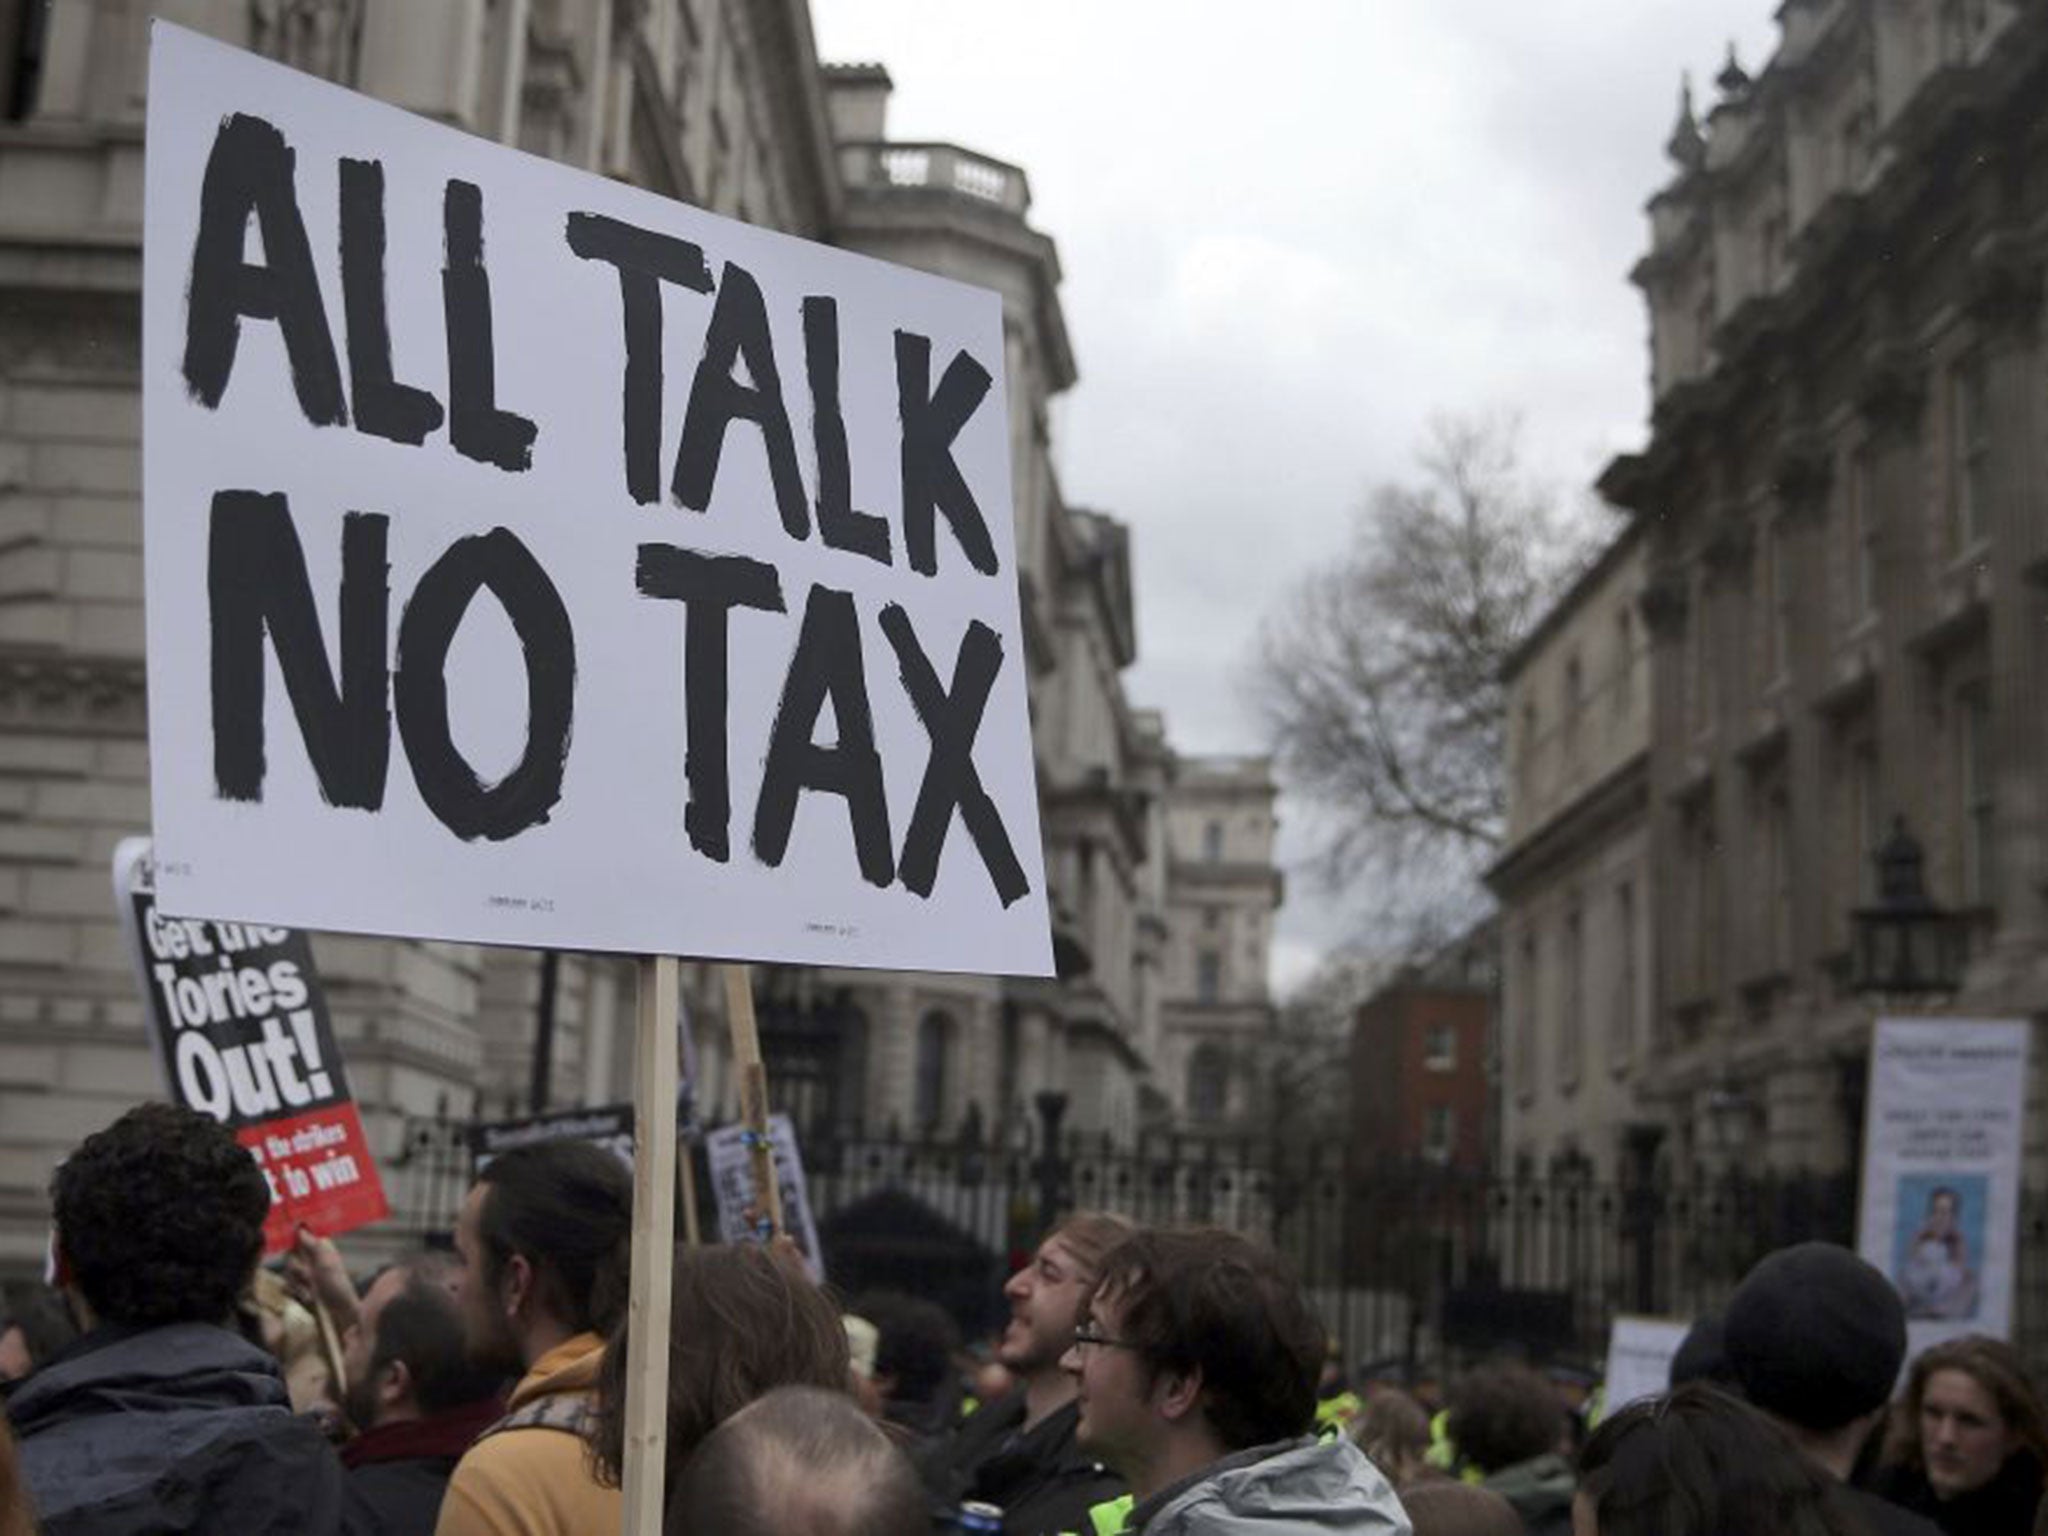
x=413, y=1397
x=1018, y=1452
x=544, y=1242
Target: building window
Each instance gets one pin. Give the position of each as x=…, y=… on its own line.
x=1526, y=755
x=1621, y=1024
x=1527, y=1017
x=1211, y=917
x=1208, y=1084
x=1212, y=842
x=1974, y=779
x=1699, y=658
x=1776, y=592
x=1859, y=532
x=1571, y=1027
x=1970, y=424
x=934, y=1050
x=1624, y=663
x=1439, y=1132
x=1776, y=809
x=1859, y=827
x=1440, y=1049
x=1209, y=976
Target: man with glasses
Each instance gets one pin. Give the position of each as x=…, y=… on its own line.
x=1195, y=1373
x=1018, y=1453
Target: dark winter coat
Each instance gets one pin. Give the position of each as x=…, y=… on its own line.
x=2004, y=1506
x=398, y=1473
x=1039, y=1478
x=183, y=1428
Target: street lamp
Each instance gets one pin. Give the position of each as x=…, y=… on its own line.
x=1905, y=945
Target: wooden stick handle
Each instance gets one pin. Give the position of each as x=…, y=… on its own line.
x=330, y=1346
x=753, y=1078
x=654, y=1247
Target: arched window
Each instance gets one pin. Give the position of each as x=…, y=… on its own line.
x=1208, y=1084
x=934, y=1048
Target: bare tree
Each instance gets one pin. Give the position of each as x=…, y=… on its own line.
x=1379, y=676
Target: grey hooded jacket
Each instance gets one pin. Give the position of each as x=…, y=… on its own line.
x=1305, y=1487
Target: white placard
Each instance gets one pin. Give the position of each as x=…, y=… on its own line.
x=1639, y=1354
x=732, y=1182
x=1941, y=1170
x=534, y=560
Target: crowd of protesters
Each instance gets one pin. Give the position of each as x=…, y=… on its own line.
x=1149, y=1382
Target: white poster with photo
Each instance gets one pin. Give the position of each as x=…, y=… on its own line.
x=730, y=1152
x=1639, y=1355
x=1941, y=1170
x=534, y=560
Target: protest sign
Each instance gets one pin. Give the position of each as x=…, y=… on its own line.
x=1639, y=1354
x=732, y=1182
x=240, y=1029
x=547, y=563
x=609, y=1126
x=1941, y=1169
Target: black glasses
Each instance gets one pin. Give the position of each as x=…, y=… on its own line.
x=1089, y=1335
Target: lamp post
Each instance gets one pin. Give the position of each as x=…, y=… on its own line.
x=1905, y=945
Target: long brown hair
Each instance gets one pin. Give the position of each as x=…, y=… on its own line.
x=742, y=1320
x=1996, y=1367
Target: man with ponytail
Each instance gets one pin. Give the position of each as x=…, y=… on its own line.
x=543, y=1241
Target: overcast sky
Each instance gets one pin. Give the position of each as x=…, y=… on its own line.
x=1291, y=233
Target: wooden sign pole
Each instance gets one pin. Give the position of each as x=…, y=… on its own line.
x=654, y=1246
x=687, y=1174
x=753, y=1079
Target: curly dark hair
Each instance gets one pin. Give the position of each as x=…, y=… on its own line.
x=160, y=1217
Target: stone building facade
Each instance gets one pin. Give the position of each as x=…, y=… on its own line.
x=1846, y=543
x=721, y=103
x=1214, y=1064
x=1574, y=878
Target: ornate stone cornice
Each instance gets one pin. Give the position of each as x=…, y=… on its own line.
x=1801, y=474
x=2002, y=289
x=1729, y=543
x=1663, y=604
x=1892, y=389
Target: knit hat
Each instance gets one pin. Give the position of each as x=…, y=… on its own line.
x=1703, y=1355
x=1816, y=1336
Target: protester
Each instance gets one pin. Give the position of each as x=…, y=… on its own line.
x=1702, y=1355
x=1393, y=1431
x=544, y=1241
x=1196, y=1379
x=161, y=1417
x=1443, y=1506
x=913, y=1370
x=1508, y=1423
x=413, y=1397
x=36, y=1328
x=1017, y=1452
x=1698, y=1462
x=1815, y=1338
x=743, y=1320
x=798, y=1462
x=1969, y=1440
